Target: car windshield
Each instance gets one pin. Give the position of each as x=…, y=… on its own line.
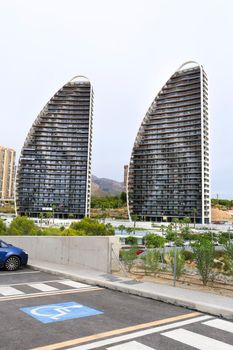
x=3, y=244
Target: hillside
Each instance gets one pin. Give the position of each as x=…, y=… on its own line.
x=106, y=187
x=221, y=215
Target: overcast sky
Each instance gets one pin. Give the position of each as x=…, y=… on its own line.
x=128, y=49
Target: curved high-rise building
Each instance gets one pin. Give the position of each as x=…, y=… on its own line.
x=169, y=166
x=54, y=172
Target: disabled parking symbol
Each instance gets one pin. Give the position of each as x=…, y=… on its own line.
x=60, y=312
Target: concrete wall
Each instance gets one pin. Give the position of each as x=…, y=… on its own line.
x=88, y=252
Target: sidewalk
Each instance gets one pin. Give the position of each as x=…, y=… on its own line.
x=205, y=302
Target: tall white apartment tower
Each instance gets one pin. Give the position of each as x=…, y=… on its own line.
x=169, y=165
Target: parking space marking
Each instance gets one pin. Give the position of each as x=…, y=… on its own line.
x=220, y=324
x=42, y=287
x=7, y=291
x=24, y=283
x=44, y=294
x=196, y=340
x=132, y=345
x=60, y=312
x=183, y=319
x=73, y=283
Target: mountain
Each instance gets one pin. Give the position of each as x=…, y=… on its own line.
x=106, y=187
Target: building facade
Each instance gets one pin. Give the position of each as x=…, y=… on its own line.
x=7, y=173
x=169, y=165
x=54, y=172
x=126, y=169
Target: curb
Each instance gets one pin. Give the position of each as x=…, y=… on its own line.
x=209, y=308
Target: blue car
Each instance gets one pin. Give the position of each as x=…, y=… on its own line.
x=11, y=257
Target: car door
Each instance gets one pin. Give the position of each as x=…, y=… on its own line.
x=3, y=252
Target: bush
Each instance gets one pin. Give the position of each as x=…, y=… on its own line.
x=229, y=254
x=131, y=240
x=151, y=261
x=49, y=231
x=108, y=202
x=153, y=241
x=204, y=253
x=23, y=226
x=170, y=233
x=128, y=257
x=188, y=255
x=68, y=232
x=180, y=261
x=3, y=228
x=92, y=227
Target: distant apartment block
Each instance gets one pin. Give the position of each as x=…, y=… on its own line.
x=54, y=172
x=7, y=173
x=169, y=165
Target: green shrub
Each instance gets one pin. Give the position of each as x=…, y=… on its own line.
x=23, y=226
x=151, y=261
x=180, y=262
x=153, y=241
x=3, y=228
x=69, y=232
x=204, y=253
x=188, y=255
x=92, y=227
x=131, y=240
x=128, y=257
x=229, y=254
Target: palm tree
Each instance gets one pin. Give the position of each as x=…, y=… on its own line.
x=41, y=216
x=121, y=228
x=194, y=216
x=49, y=215
x=134, y=218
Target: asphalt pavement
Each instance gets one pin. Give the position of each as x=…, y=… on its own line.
x=41, y=311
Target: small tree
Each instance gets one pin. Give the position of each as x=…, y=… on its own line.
x=128, y=257
x=134, y=218
x=151, y=261
x=171, y=234
x=41, y=216
x=176, y=222
x=186, y=221
x=204, y=255
x=194, y=216
x=49, y=216
x=177, y=263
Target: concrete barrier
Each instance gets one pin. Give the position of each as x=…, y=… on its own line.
x=87, y=251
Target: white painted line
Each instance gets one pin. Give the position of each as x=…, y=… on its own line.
x=42, y=287
x=7, y=291
x=132, y=345
x=197, y=341
x=24, y=283
x=138, y=334
x=73, y=284
x=43, y=294
x=2, y=274
x=220, y=324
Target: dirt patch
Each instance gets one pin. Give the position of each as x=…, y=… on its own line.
x=186, y=281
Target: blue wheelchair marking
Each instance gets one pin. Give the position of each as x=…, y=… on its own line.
x=59, y=312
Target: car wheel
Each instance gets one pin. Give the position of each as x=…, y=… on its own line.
x=12, y=263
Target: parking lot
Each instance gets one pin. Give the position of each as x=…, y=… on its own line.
x=44, y=311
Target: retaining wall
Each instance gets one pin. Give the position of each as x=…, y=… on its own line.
x=88, y=252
